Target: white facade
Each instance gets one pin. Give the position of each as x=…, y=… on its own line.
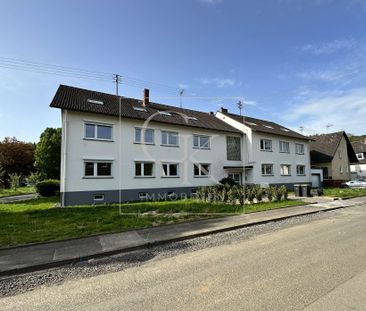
x=123, y=152
x=254, y=158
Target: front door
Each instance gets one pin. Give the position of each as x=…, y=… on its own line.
x=236, y=177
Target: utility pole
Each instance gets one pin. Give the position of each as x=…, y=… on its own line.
x=240, y=106
x=116, y=79
x=180, y=98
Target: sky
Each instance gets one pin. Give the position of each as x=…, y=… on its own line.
x=298, y=63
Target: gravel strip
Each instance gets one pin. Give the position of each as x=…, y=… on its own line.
x=29, y=281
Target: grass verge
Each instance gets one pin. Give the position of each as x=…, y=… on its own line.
x=344, y=192
x=18, y=191
x=37, y=220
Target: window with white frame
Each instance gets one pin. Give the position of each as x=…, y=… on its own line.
x=266, y=145
x=94, y=169
x=144, y=169
x=233, y=148
x=201, y=169
x=300, y=170
x=169, y=170
x=285, y=169
x=169, y=138
x=360, y=156
x=299, y=148
x=201, y=141
x=267, y=169
x=339, y=154
x=341, y=169
x=144, y=136
x=97, y=131
x=284, y=146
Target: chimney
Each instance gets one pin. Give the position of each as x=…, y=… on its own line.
x=146, y=97
x=223, y=110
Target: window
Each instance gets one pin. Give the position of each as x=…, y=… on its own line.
x=340, y=154
x=98, y=197
x=169, y=170
x=325, y=172
x=201, y=170
x=144, y=169
x=192, y=118
x=284, y=146
x=341, y=169
x=201, y=142
x=268, y=126
x=266, y=144
x=144, y=136
x=299, y=148
x=236, y=177
x=98, y=131
x=169, y=138
x=267, y=169
x=97, y=169
x=360, y=156
x=300, y=170
x=285, y=170
x=233, y=150
x=164, y=113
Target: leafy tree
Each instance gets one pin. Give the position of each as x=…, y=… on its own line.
x=16, y=157
x=48, y=153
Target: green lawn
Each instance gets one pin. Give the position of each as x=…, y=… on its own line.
x=37, y=220
x=344, y=192
x=18, y=191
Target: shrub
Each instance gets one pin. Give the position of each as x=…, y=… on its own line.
x=232, y=195
x=228, y=181
x=34, y=178
x=269, y=194
x=284, y=192
x=259, y=193
x=48, y=188
x=15, y=180
x=277, y=193
x=250, y=194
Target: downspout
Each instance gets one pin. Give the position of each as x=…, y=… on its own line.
x=64, y=154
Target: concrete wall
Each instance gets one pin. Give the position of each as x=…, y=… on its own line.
x=123, y=153
x=341, y=160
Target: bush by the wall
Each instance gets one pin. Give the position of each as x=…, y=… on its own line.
x=227, y=181
x=48, y=188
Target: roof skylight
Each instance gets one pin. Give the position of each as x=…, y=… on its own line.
x=164, y=113
x=286, y=130
x=192, y=118
x=139, y=109
x=268, y=126
x=250, y=123
x=93, y=101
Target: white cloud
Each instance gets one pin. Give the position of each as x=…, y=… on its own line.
x=219, y=82
x=329, y=47
x=346, y=110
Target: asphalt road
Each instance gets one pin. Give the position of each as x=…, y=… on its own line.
x=319, y=265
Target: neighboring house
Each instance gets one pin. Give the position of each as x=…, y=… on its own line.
x=272, y=153
x=124, y=149
x=332, y=153
x=360, y=168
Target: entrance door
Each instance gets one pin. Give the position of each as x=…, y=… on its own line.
x=315, y=180
x=236, y=177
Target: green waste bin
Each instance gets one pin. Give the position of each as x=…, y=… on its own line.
x=305, y=190
x=297, y=190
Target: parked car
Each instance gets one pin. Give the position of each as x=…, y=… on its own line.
x=354, y=184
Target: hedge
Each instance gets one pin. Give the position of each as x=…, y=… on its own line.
x=48, y=188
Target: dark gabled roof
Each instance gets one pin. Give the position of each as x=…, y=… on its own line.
x=264, y=126
x=359, y=147
x=324, y=146
x=72, y=98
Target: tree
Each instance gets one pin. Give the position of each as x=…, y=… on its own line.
x=16, y=157
x=48, y=153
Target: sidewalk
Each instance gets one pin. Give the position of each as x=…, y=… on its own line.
x=21, y=259
x=16, y=198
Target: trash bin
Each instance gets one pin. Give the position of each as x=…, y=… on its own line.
x=297, y=190
x=305, y=190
